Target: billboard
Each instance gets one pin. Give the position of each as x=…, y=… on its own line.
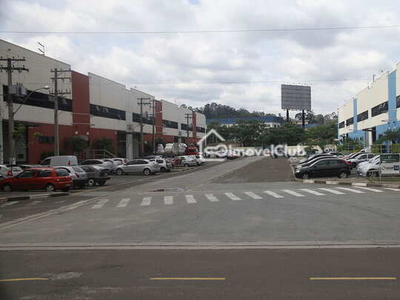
x=296, y=97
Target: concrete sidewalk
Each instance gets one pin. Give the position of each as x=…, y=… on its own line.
x=16, y=196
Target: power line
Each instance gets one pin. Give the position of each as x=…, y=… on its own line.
x=103, y=32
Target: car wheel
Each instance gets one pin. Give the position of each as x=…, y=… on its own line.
x=91, y=182
x=162, y=169
x=119, y=172
x=102, y=182
x=343, y=175
x=7, y=188
x=305, y=176
x=371, y=174
x=50, y=188
x=147, y=172
x=186, y=165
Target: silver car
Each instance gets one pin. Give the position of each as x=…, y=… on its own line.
x=98, y=162
x=77, y=174
x=143, y=166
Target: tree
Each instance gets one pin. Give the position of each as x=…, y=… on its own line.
x=391, y=135
x=104, y=144
x=77, y=144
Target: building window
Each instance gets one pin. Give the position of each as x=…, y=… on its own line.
x=349, y=121
x=200, y=129
x=379, y=109
x=363, y=116
x=107, y=112
x=170, y=124
x=41, y=100
x=136, y=118
x=398, y=101
x=341, y=124
x=46, y=139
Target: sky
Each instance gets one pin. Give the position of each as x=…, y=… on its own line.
x=232, y=52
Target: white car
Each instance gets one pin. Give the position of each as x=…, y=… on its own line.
x=200, y=159
x=369, y=168
x=78, y=175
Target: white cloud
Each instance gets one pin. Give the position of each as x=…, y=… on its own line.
x=157, y=62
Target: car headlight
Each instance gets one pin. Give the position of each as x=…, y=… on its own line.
x=297, y=170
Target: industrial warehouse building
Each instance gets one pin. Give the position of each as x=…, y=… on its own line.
x=373, y=110
x=96, y=108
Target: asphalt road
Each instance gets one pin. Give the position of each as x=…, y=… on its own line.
x=245, y=221
x=199, y=274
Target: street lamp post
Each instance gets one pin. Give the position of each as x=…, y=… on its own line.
x=11, y=118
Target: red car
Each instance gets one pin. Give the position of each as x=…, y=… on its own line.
x=47, y=179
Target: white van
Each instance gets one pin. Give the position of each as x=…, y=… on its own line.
x=63, y=160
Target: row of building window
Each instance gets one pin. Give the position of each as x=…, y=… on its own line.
x=349, y=121
x=146, y=120
x=363, y=116
x=380, y=109
x=107, y=112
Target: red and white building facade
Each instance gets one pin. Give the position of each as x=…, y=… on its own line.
x=96, y=108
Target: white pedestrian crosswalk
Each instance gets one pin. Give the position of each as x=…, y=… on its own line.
x=253, y=195
x=190, y=199
x=211, y=197
x=168, y=200
x=232, y=196
x=197, y=197
x=332, y=191
x=124, y=202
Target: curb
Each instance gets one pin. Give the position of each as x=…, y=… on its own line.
x=364, y=184
x=17, y=198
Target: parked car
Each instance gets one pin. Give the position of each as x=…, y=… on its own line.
x=327, y=167
x=5, y=171
x=61, y=160
x=98, y=162
x=360, y=158
x=165, y=165
x=336, y=154
x=313, y=156
x=78, y=175
x=15, y=169
x=200, y=159
x=185, y=160
x=144, y=166
x=48, y=179
x=312, y=160
x=369, y=168
x=96, y=175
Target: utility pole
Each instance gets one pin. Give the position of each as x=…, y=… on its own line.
x=154, y=124
x=141, y=102
x=9, y=69
x=55, y=94
x=187, y=116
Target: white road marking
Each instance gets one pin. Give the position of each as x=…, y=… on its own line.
x=332, y=191
x=273, y=194
x=293, y=193
x=253, y=195
x=146, y=201
x=211, y=197
x=124, y=202
x=168, y=200
x=232, y=196
x=369, y=189
x=312, y=192
x=190, y=199
x=100, y=204
x=351, y=190
x=390, y=189
x=9, y=203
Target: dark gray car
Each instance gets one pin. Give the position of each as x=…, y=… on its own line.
x=96, y=175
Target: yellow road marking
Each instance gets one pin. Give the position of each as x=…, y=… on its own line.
x=188, y=278
x=24, y=279
x=353, y=278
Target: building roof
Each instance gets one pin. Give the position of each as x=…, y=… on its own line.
x=265, y=119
